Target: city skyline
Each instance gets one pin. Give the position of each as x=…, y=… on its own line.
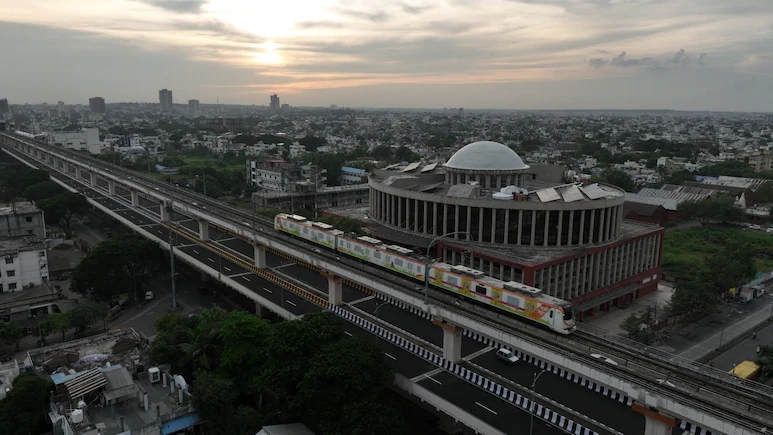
x=523, y=55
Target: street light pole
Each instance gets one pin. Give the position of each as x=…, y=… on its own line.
x=375, y=313
x=533, y=394
x=426, y=262
x=171, y=257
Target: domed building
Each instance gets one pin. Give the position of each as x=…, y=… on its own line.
x=538, y=224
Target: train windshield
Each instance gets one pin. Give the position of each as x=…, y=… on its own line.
x=568, y=313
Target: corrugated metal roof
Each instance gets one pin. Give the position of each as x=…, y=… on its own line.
x=667, y=203
x=87, y=382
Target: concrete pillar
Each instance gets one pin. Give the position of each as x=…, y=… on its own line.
x=171, y=385
x=456, y=223
x=163, y=379
x=469, y=221
x=445, y=221
x=111, y=187
x=481, y=224
x=78, y=172
x=507, y=227
x=520, y=224
x=560, y=227
x=334, y=289
x=163, y=212
x=434, y=219
x=424, y=222
x=592, y=221
x=66, y=166
x=582, y=228
x=93, y=178
x=547, y=228
x=203, y=230
x=260, y=256
x=135, y=198
x=655, y=423
x=494, y=225
x=145, y=401
x=50, y=309
x=399, y=220
x=452, y=341
x=415, y=215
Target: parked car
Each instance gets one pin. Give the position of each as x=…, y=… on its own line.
x=149, y=295
x=755, y=227
x=769, y=230
x=507, y=356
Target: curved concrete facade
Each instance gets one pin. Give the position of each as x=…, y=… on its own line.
x=490, y=221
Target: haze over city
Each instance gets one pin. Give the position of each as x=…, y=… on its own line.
x=499, y=54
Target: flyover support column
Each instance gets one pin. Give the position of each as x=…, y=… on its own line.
x=135, y=198
x=452, y=340
x=203, y=230
x=258, y=309
x=111, y=187
x=93, y=178
x=334, y=288
x=655, y=422
x=164, y=212
x=260, y=256
x=78, y=173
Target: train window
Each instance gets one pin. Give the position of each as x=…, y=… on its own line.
x=305, y=231
x=480, y=289
x=357, y=248
x=568, y=313
x=551, y=314
x=512, y=300
x=410, y=266
x=377, y=255
x=398, y=262
x=452, y=280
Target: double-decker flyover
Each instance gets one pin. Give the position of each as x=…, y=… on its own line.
x=660, y=391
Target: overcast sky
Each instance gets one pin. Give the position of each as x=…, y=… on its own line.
x=509, y=54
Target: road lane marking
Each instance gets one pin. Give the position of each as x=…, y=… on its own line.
x=267, y=290
x=435, y=380
x=246, y=279
x=197, y=252
x=486, y=408
x=390, y=356
x=227, y=268
x=348, y=333
x=210, y=259
x=291, y=302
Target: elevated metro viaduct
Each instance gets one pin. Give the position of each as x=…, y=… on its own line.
x=657, y=403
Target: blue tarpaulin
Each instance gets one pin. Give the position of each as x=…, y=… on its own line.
x=179, y=424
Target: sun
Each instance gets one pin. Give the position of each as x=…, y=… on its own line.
x=270, y=54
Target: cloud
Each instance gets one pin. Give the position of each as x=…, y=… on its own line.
x=217, y=28
x=413, y=10
x=680, y=58
x=177, y=6
x=598, y=62
x=621, y=60
x=319, y=24
x=375, y=17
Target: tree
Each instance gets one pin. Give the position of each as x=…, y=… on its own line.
x=619, y=179
x=42, y=328
x=118, y=265
x=83, y=316
x=10, y=333
x=63, y=208
x=243, y=338
x=60, y=322
x=343, y=384
x=23, y=409
x=43, y=190
x=638, y=326
x=382, y=152
x=214, y=398
x=721, y=209
x=730, y=267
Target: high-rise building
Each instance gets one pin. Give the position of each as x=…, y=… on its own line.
x=60, y=109
x=165, y=99
x=4, y=106
x=97, y=105
x=193, y=107
x=274, y=106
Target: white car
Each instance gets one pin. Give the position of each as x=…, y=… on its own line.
x=507, y=356
x=755, y=227
x=769, y=230
x=149, y=295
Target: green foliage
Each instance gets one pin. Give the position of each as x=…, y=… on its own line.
x=118, y=265
x=10, y=333
x=312, y=143
x=60, y=322
x=23, y=410
x=42, y=190
x=15, y=178
x=63, y=208
x=309, y=370
x=86, y=315
x=619, y=179
x=343, y=223
x=765, y=360
x=720, y=209
x=734, y=168
x=637, y=326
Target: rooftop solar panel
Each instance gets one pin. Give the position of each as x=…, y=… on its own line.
x=429, y=167
x=412, y=167
x=548, y=195
x=571, y=194
x=594, y=191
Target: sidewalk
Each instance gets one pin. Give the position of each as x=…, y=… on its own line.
x=730, y=331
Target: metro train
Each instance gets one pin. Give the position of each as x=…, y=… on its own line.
x=512, y=297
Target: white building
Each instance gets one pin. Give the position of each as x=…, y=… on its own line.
x=75, y=140
x=23, y=263
x=21, y=219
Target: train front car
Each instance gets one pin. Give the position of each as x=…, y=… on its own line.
x=569, y=323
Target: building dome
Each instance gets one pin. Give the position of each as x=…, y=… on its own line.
x=486, y=156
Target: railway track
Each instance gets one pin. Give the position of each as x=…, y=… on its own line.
x=701, y=389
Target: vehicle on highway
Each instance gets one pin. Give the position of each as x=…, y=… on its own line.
x=149, y=295
x=507, y=356
x=520, y=300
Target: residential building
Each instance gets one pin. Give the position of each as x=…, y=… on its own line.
x=274, y=103
x=278, y=175
x=97, y=105
x=761, y=161
x=165, y=99
x=353, y=176
x=23, y=263
x=193, y=107
x=75, y=140
x=4, y=108
x=21, y=219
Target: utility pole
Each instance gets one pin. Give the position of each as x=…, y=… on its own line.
x=171, y=258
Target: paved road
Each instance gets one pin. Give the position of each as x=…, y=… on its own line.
x=745, y=349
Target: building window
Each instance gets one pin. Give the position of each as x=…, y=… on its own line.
x=10, y=273
x=30, y=232
x=42, y=254
x=12, y=286
x=28, y=218
x=8, y=260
